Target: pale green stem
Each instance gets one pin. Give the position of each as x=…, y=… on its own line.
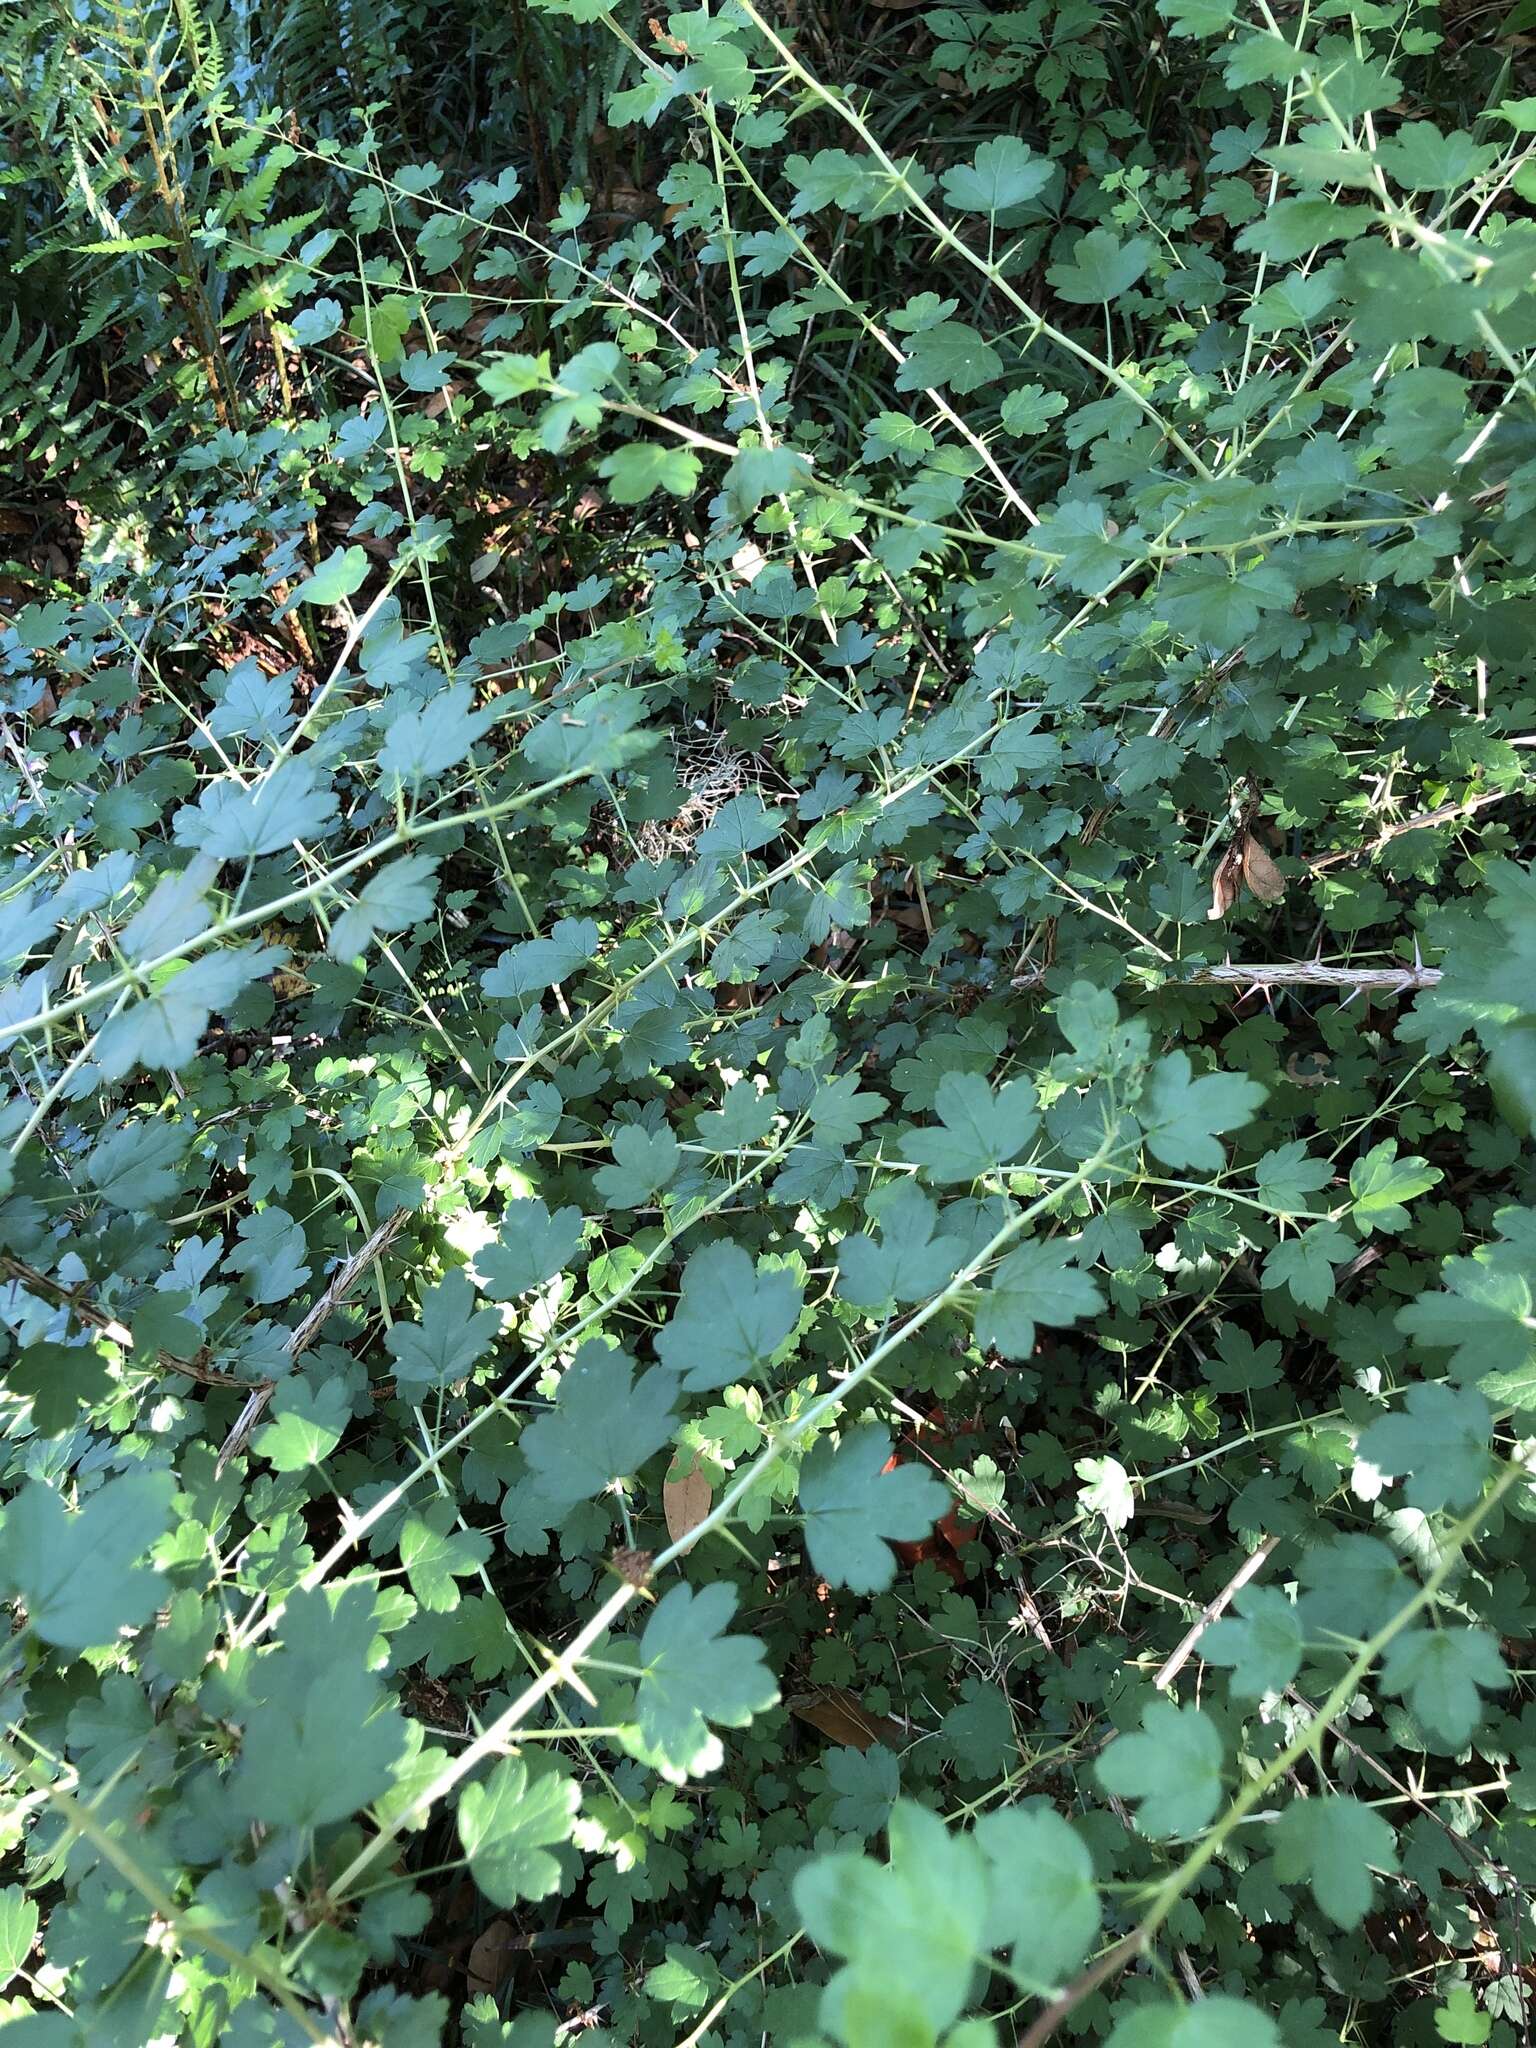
x=564, y=1667
x=109, y=1845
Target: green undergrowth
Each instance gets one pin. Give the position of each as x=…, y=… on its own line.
x=769, y=1028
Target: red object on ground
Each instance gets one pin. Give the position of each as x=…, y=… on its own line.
x=950, y=1533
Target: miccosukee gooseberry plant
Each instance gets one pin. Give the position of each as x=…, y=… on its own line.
x=767, y=1244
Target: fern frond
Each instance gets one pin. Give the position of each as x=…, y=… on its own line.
x=47, y=433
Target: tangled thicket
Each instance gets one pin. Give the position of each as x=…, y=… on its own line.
x=767, y=1246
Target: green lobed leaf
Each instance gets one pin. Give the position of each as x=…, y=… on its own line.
x=80, y=1574
x=1443, y=1673
x=695, y=1677
x=1002, y=174
x=531, y=1247
x=1044, y=1899
x=1034, y=1284
x=1183, y=1113
x=1263, y=1642
x=730, y=1319
x=1216, y=2021
x=604, y=1425
x=910, y=1930
x=447, y=1343
x=853, y=1508
x=1381, y=1183
x=1100, y=268
x=908, y=1262
x=1439, y=1442
x=307, y=1424
x=436, y=1555
x=979, y=1129
x=510, y=1823
x=1334, y=1844
x=399, y=895
x=1171, y=1769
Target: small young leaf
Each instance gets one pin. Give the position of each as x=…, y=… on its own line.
x=1381, y=1183
x=1106, y=1490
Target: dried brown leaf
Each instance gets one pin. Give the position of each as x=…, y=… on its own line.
x=749, y=561
x=1226, y=883
x=1263, y=878
x=489, y=1958
x=686, y=1498
x=1310, y=1070
x=840, y=1717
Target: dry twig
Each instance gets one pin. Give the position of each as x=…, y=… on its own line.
x=1396, y=981
x=47, y=1288
x=1212, y=1611
x=340, y=1285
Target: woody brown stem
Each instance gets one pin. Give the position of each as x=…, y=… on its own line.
x=1446, y=814
x=1212, y=1611
x=1110, y=1964
x=1397, y=981
x=84, y=1310
x=340, y=1285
